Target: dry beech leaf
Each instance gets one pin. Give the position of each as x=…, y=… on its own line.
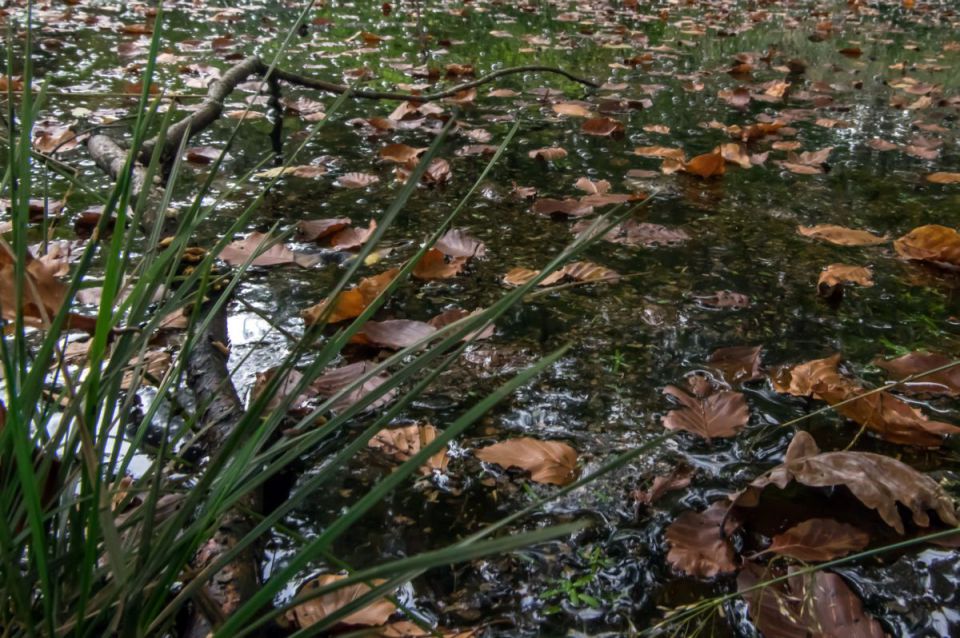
x=400, y=444
x=944, y=178
x=944, y=382
x=238, y=252
x=316, y=609
x=717, y=415
x=698, y=546
x=560, y=208
x=841, y=236
x=356, y=180
x=548, y=154
x=314, y=229
x=818, y=540
x=706, y=165
x=833, y=277
x=549, y=462
x=584, y=271
x=400, y=153
x=394, y=333
x=934, y=243
x=890, y=417
x=350, y=303
x=819, y=604
x=737, y=364
x=880, y=482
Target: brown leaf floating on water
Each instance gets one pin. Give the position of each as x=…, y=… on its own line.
x=738, y=364
x=698, y=546
x=316, y=609
x=833, y=277
x=880, y=482
x=841, y=236
x=350, y=303
x=719, y=414
x=402, y=443
x=933, y=243
x=818, y=540
x=944, y=382
x=549, y=462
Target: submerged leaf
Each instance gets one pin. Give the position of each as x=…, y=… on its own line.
x=819, y=539
x=316, y=609
x=841, y=236
x=238, y=252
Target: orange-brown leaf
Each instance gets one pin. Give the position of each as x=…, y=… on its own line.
x=549, y=462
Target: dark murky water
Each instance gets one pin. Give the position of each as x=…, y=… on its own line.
x=630, y=338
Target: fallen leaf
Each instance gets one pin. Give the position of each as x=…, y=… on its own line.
x=735, y=154
x=550, y=462
x=548, y=154
x=737, y=364
x=238, y=252
x=402, y=443
x=662, y=152
x=724, y=299
x=395, y=333
x=561, y=207
x=356, y=180
x=572, y=109
x=944, y=178
x=316, y=609
x=842, y=236
x=819, y=604
x=944, y=382
x=602, y=127
x=933, y=243
x=332, y=382
x=350, y=303
x=678, y=479
x=717, y=415
x=435, y=265
x=350, y=237
x=457, y=243
x=818, y=540
x=880, y=482
x=833, y=277
x=149, y=368
x=314, y=229
x=400, y=153
x=698, y=546
x=878, y=144
x=706, y=165
x=296, y=171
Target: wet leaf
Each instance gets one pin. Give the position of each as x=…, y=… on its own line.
x=706, y=165
x=350, y=303
x=738, y=364
x=435, y=265
x=572, y=109
x=579, y=271
x=818, y=604
x=43, y=293
x=833, y=277
x=314, y=229
x=678, y=479
x=944, y=178
x=698, y=546
x=316, y=609
x=944, y=382
x=561, y=207
x=149, y=368
x=395, y=333
x=548, y=154
x=238, y=252
x=348, y=238
x=937, y=244
x=402, y=443
x=457, y=243
x=818, y=540
x=400, y=153
x=735, y=154
x=550, y=462
x=841, y=235
x=357, y=180
x=717, y=415
x=332, y=382
x=308, y=171
x=291, y=379
x=602, y=127
x=879, y=482
x=661, y=152
x=724, y=299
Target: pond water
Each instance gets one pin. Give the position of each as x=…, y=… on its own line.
x=669, y=63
